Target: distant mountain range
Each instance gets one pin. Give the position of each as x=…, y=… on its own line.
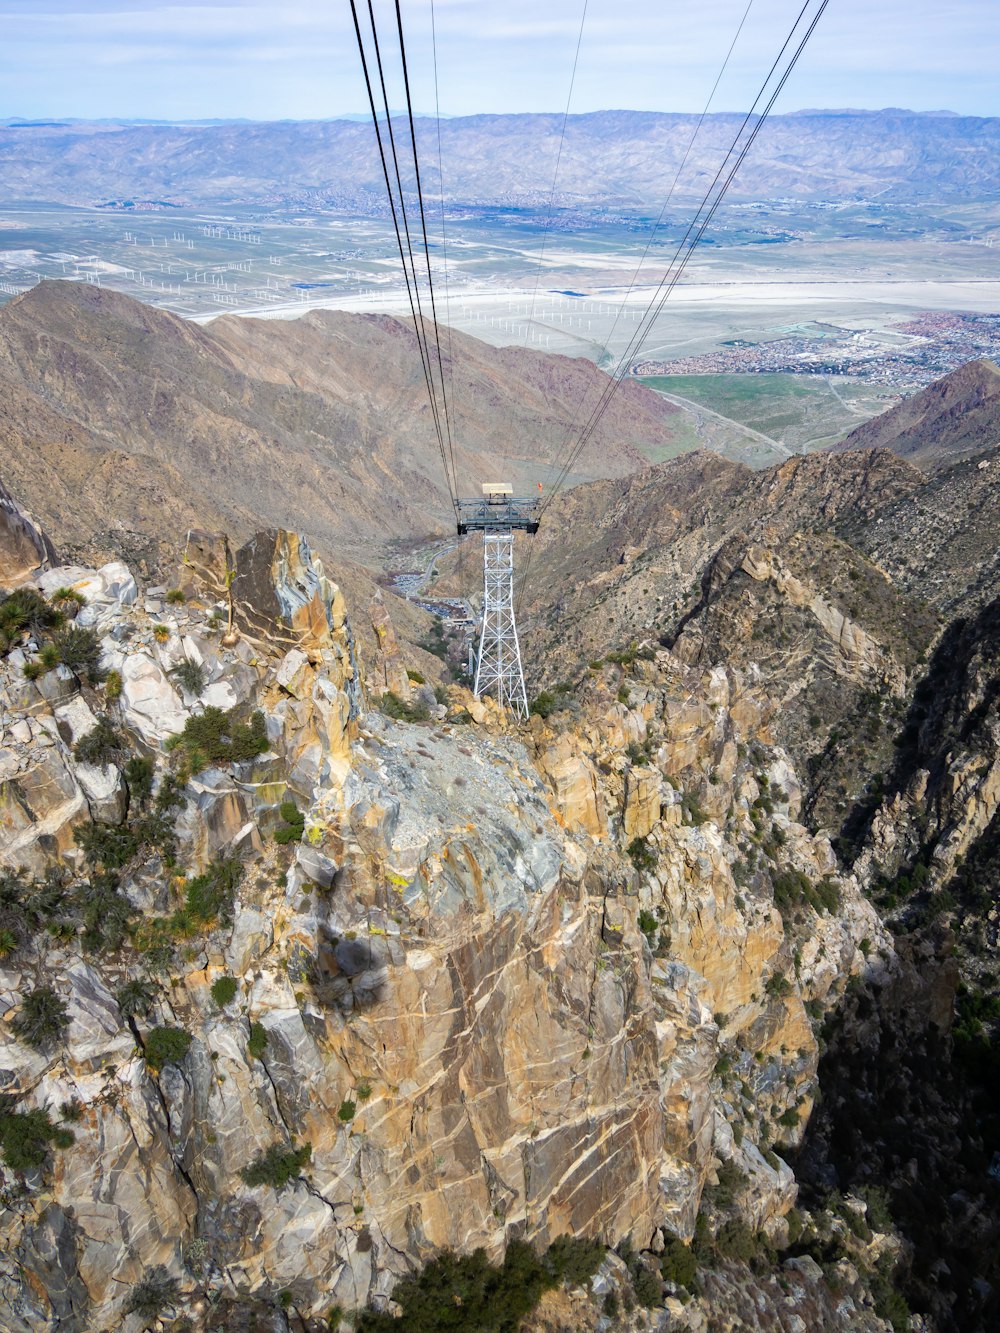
x=617, y=158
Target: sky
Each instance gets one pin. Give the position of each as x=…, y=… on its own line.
x=233, y=59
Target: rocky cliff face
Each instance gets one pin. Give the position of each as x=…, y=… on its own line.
x=504, y=982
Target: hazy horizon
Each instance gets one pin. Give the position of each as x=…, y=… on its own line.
x=229, y=60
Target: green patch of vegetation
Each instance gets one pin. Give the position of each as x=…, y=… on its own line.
x=793, y=889
x=175, y=597
x=217, y=737
x=43, y=1019
x=113, y=686
x=691, y=809
x=257, y=1044
x=278, y=1166
x=166, y=1046
x=395, y=707
x=415, y=677
x=190, y=676
x=778, y=985
x=101, y=746
x=80, y=650
x=648, y=924
x=679, y=1265
x=153, y=1295
x=22, y=612
x=642, y=856
x=224, y=991
x=347, y=1110
x=27, y=1136
x=292, y=826
x=135, y=999
x=465, y=1292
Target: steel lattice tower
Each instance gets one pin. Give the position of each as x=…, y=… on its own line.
x=498, y=666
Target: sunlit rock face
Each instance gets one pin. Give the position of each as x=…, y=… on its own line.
x=510, y=981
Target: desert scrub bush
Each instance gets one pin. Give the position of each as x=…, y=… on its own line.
x=648, y=924
x=209, y=896
x=68, y=600
x=778, y=985
x=113, y=686
x=136, y=998
x=257, y=1044
x=43, y=1019
x=415, y=677
x=138, y=774
x=648, y=1286
x=347, y=1110
x=101, y=746
x=218, y=737
x=104, y=911
x=691, y=810
x=25, y=610
x=278, y=1165
x=393, y=706
x=456, y=1293
x=161, y=633
x=638, y=754
x=154, y=1294
x=9, y=943
x=794, y=889
x=26, y=1136
x=166, y=1046
x=176, y=597
x=679, y=1265
x=224, y=991
x=80, y=650
x=190, y=676
x=641, y=854
x=292, y=825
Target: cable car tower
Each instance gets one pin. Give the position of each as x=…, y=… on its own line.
x=498, y=515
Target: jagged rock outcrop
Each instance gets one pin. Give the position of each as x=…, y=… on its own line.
x=24, y=546
x=503, y=982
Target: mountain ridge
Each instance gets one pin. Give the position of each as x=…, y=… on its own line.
x=607, y=157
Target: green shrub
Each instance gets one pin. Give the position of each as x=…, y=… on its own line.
x=364, y=1091
x=26, y=1136
x=278, y=1166
x=135, y=998
x=166, y=1046
x=43, y=1019
x=208, y=897
x=460, y=1293
x=190, y=676
x=80, y=650
x=257, y=1044
x=679, y=1264
x=176, y=597
x=152, y=1295
x=105, y=912
x=648, y=924
x=25, y=609
x=544, y=704
x=347, y=1110
x=393, y=706
x=415, y=677
x=641, y=854
x=292, y=826
x=778, y=985
x=113, y=686
x=648, y=1286
x=9, y=943
x=224, y=991
x=735, y=1240
x=217, y=737
x=101, y=746
x=138, y=775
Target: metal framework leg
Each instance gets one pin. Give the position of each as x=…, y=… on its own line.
x=498, y=667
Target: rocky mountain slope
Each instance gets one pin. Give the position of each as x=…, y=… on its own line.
x=268, y=954
x=122, y=419
x=955, y=417
x=834, y=574
x=605, y=157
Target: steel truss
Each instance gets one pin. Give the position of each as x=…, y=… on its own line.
x=498, y=666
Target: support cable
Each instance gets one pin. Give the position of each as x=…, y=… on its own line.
x=695, y=231
x=398, y=213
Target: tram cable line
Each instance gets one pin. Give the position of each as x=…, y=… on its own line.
x=695, y=231
x=642, y=259
x=397, y=206
x=555, y=173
